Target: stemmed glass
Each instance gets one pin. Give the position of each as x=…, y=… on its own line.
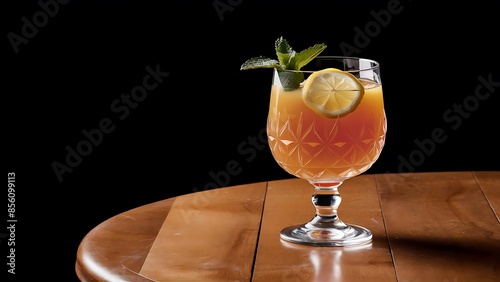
x=326, y=151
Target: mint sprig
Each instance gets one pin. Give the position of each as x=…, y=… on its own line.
x=259, y=63
x=287, y=59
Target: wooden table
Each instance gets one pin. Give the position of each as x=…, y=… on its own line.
x=439, y=226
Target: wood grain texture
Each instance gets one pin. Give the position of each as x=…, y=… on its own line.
x=289, y=203
x=489, y=181
x=115, y=250
x=440, y=227
x=436, y=226
x=210, y=236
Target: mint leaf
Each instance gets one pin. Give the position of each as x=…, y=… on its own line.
x=288, y=59
x=281, y=45
x=284, y=51
x=304, y=57
x=290, y=80
x=260, y=62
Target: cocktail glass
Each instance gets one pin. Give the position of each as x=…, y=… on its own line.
x=326, y=151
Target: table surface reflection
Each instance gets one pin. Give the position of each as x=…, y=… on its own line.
x=435, y=226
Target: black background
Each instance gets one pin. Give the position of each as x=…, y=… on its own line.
x=64, y=79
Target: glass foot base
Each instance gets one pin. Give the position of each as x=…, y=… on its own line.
x=346, y=236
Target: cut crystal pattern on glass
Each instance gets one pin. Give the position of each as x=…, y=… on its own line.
x=361, y=146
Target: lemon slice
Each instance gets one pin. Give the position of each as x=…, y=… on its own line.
x=332, y=92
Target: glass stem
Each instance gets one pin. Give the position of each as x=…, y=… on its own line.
x=326, y=199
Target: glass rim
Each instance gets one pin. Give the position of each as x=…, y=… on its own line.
x=374, y=64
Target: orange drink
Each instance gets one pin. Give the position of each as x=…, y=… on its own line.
x=311, y=146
